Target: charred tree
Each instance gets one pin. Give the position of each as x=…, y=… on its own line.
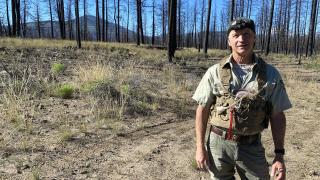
x=103, y=21
x=24, y=23
x=310, y=44
x=153, y=23
x=51, y=19
x=98, y=34
x=231, y=15
x=128, y=10
x=15, y=15
x=85, y=21
x=269, y=28
x=205, y=50
x=8, y=19
x=70, y=27
x=139, y=23
x=118, y=19
x=78, y=37
x=172, y=40
x=60, y=12
x=38, y=19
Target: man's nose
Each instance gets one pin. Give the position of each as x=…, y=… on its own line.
x=241, y=38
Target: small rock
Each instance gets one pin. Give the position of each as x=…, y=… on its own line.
x=314, y=173
x=84, y=172
x=156, y=151
x=41, y=106
x=25, y=166
x=45, y=121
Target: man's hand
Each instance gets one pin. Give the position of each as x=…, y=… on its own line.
x=202, y=158
x=278, y=169
x=278, y=128
x=202, y=115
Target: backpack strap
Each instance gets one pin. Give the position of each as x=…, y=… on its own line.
x=225, y=75
x=262, y=80
x=262, y=73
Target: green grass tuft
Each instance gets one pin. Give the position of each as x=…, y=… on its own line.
x=64, y=91
x=57, y=68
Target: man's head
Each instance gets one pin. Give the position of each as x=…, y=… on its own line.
x=241, y=23
x=242, y=36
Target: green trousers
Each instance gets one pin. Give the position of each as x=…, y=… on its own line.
x=226, y=157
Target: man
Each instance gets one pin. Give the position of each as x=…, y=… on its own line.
x=239, y=97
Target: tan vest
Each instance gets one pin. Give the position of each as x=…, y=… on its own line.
x=251, y=113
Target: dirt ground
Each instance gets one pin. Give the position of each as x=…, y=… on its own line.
x=160, y=145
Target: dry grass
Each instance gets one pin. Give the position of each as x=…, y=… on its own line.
x=118, y=88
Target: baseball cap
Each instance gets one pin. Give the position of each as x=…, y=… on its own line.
x=241, y=23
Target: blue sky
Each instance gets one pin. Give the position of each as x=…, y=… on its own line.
x=218, y=7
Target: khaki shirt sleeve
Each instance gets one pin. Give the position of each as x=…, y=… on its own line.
x=204, y=94
x=279, y=97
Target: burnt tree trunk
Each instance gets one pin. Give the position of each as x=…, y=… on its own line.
x=78, y=37
x=205, y=50
x=8, y=19
x=172, y=41
x=310, y=44
x=269, y=28
x=103, y=21
x=51, y=19
x=98, y=33
x=60, y=12
x=231, y=10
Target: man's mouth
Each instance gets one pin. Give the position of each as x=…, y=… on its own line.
x=243, y=45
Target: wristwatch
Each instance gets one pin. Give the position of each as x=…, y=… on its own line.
x=279, y=151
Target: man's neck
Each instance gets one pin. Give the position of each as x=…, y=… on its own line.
x=242, y=59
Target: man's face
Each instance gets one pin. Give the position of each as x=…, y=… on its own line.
x=242, y=41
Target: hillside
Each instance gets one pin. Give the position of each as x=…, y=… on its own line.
x=45, y=26
x=118, y=111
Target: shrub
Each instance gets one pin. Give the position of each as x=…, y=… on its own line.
x=64, y=91
x=57, y=68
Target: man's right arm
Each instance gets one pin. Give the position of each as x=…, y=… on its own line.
x=202, y=115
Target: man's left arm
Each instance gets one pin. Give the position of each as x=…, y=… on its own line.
x=278, y=128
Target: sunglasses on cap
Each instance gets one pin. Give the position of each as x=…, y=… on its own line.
x=241, y=23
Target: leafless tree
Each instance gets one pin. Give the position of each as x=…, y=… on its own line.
x=38, y=18
x=269, y=27
x=139, y=23
x=98, y=34
x=51, y=18
x=172, y=40
x=231, y=15
x=118, y=19
x=207, y=28
x=103, y=21
x=25, y=15
x=8, y=18
x=153, y=22
x=128, y=16
x=310, y=43
x=60, y=12
x=15, y=14
x=70, y=26
x=78, y=37
x=85, y=21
